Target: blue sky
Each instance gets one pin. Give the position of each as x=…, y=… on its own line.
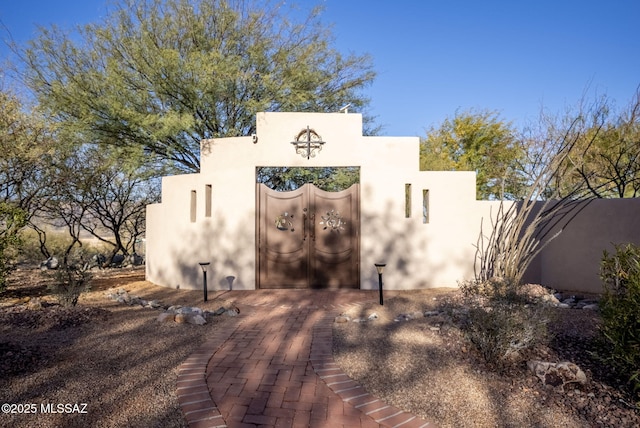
x=435, y=57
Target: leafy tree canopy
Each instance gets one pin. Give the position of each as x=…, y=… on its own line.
x=481, y=142
x=165, y=74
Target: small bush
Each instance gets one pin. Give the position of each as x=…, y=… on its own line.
x=620, y=309
x=503, y=331
x=69, y=283
x=501, y=322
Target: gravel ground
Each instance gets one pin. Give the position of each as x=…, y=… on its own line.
x=113, y=364
x=434, y=373
x=122, y=364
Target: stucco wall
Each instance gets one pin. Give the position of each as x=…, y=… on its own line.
x=435, y=254
x=571, y=261
x=438, y=253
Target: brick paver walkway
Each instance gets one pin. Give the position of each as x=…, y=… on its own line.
x=276, y=369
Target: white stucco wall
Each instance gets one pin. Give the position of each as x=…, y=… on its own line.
x=436, y=254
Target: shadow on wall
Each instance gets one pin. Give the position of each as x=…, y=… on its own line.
x=403, y=244
x=230, y=254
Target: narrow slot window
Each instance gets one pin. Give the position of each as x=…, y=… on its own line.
x=407, y=200
x=207, y=200
x=425, y=206
x=193, y=206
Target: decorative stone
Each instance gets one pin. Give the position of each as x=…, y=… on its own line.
x=165, y=317
x=196, y=319
x=557, y=374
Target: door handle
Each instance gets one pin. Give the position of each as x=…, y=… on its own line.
x=304, y=226
x=313, y=227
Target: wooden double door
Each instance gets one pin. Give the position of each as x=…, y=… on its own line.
x=308, y=238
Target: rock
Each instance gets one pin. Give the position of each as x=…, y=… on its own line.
x=180, y=318
x=117, y=260
x=563, y=305
x=417, y=314
x=557, y=374
x=342, y=319
x=402, y=317
x=431, y=313
x=591, y=307
x=165, y=317
x=221, y=310
x=372, y=316
x=51, y=263
x=231, y=313
x=196, y=319
x=184, y=310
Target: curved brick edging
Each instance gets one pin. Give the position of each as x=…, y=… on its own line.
x=200, y=410
x=349, y=390
x=193, y=393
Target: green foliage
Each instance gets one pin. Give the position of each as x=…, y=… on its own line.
x=331, y=179
x=620, y=309
x=480, y=142
x=163, y=75
x=69, y=283
x=12, y=219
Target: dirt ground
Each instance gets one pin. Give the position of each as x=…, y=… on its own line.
x=121, y=365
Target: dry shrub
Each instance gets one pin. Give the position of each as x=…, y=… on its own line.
x=501, y=322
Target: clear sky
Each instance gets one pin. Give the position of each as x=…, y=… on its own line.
x=434, y=57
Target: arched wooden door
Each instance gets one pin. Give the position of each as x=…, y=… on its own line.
x=308, y=238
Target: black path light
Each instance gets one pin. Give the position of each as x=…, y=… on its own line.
x=204, y=265
x=380, y=268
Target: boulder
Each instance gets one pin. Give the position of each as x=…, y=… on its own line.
x=51, y=263
x=557, y=375
x=196, y=319
x=165, y=317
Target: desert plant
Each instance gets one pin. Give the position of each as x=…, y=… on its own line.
x=12, y=219
x=503, y=331
x=620, y=308
x=69, y=283
x=501, y=322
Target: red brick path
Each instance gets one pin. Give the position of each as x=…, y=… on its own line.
x=276, y=369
